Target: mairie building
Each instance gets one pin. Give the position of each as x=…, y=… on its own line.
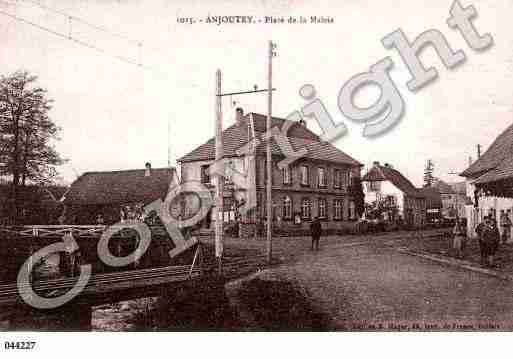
x=315, y=184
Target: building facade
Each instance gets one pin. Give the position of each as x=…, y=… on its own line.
x=315, y=184
x=453, y=198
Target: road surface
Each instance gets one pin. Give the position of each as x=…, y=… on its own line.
x=364, y=283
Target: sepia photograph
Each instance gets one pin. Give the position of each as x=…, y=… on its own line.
x=255, y=166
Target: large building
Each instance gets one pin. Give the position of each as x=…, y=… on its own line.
x=314, y=184
x=384, y=184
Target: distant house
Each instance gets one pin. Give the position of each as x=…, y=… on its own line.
x=384, y=183
x=453, y=197
x=490, y=181
x=316, y=184
x=115, y=194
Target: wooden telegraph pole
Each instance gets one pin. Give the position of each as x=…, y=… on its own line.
x=219, y=179
x=269, y=157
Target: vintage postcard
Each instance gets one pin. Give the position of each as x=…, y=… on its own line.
x=280, y=165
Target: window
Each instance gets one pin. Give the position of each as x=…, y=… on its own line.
x=322, y=208
x=304, y=176
x=287, y=208
x=321, y=173
x=286, y=175
x=375, y=186
x=337, y=209
x=337, y=179
x=306, y=208
x=205, y=174
x=391, y=200
x=228, y=172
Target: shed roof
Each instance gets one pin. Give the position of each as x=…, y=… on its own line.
x=120, y=187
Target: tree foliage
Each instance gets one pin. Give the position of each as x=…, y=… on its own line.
x=27, y=154
x=429, y=178
x=356, y=191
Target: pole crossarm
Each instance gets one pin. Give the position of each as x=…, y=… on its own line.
x=243, y=92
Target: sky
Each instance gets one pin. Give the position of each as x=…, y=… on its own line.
x=116, y=115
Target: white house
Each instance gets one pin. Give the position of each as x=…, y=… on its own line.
x=384, y=183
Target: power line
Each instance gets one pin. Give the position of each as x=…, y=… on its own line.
x=82, y=21
x=138, y=43
x=76, y=40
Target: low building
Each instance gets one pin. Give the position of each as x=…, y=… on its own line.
x=453, y=197
x=384, y=184
x=314, y=184
x=434, y=204
x=116, y=195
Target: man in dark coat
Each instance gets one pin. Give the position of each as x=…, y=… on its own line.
x=490, y=237
x=316, y=230
x=479, y=231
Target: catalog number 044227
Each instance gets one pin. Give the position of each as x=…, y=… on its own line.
x=19, y=345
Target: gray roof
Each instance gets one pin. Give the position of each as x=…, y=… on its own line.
x=236, y=136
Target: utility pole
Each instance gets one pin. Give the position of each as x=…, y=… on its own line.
x=478, y=151
x=219, y=179
x=269, y=157
x=169, y=143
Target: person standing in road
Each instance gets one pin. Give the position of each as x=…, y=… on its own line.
x=479, y=231
x=491, y=240
x=316, y=230
x=506, y=226
x=458, y=239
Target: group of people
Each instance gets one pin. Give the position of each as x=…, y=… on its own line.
x=489, y=238
x=488, y=235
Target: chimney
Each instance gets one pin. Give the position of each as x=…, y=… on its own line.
x=478, y=151
x=375, y=163
x=239, y=113
x=388, y=165
x=147, y=172
x=302, y=122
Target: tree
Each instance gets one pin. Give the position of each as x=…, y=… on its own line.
x=27, y=154
x=356, y=191
x=381, y=206
x=428, y=174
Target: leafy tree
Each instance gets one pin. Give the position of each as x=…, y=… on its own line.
x=429, y=169
x=356, y=191
x=379, y=207
x=27, y=154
